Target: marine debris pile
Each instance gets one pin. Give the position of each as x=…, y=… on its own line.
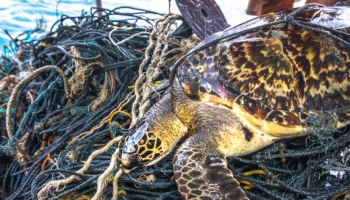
x=67, y=98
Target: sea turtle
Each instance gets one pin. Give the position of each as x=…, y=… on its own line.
x=243, y=89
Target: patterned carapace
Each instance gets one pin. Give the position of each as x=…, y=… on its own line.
x=278, y=74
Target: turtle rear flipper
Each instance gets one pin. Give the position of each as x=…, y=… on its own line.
x=201, y=172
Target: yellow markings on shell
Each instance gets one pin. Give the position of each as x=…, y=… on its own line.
x=322, y=56
x=342, y=124
x=276, y=44
x=261, y=126
x=304, y=34
x=206, y=97
x=310, y=55
x=332, y=67
x=264, y=53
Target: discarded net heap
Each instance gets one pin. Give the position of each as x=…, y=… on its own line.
x=88, y=80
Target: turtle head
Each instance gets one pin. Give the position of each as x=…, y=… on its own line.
x=153, y=137
x=140, y=147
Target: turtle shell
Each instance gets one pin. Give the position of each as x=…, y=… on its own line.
x=274, y=76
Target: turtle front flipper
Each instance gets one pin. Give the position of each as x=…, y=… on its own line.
x=201, y=172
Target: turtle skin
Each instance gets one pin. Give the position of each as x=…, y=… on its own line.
x=243, y=89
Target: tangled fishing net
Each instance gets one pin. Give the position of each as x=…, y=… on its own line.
x=68, y=98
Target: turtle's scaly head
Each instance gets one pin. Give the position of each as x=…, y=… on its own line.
x=153, y=137
x=140, y=147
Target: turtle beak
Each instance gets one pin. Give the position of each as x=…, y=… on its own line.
x=125, y=159
x=128, y=161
